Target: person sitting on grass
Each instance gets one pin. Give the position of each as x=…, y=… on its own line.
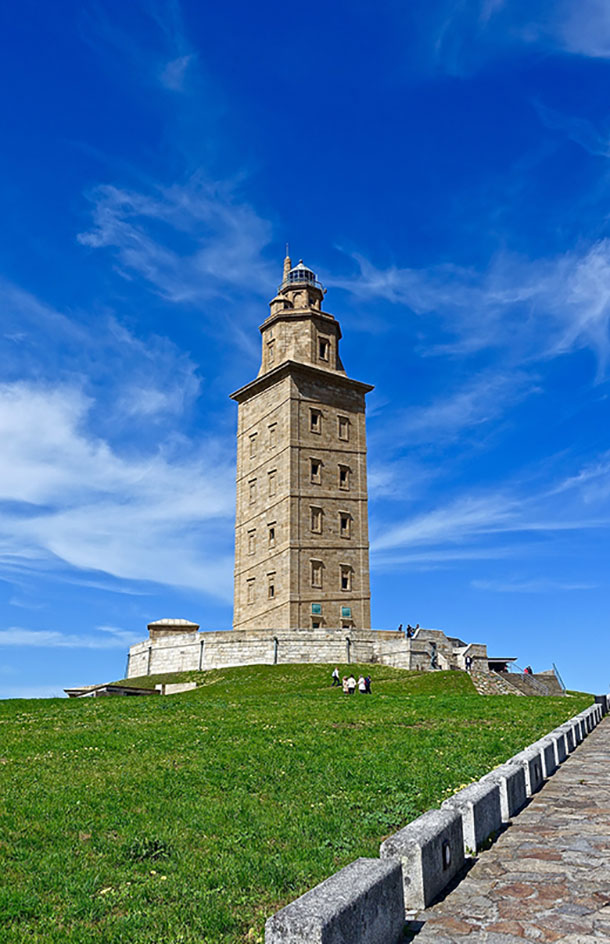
x=351, y=684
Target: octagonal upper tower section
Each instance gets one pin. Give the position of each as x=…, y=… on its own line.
x=297, y=328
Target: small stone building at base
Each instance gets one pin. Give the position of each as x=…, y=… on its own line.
x=178, y=646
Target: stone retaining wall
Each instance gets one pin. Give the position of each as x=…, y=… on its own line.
x=178, y=651
x=365, y=902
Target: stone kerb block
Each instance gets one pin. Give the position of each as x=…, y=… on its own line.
x=587, y=716
x=511, y=781
x=568, y=732
x=597, y=712
x=480, y=808
x=361, y=904
x=602, y=701
x=577, y=729
x=582, y=727
x=558, y=738
x=531, y=761
x=431, y=852
x=547, y=753
x=586, y=722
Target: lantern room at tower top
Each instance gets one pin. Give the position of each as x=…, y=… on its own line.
x=298, y=275
x=297, y=329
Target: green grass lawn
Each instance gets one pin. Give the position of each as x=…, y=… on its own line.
x=191, y=818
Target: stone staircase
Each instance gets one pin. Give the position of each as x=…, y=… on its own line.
x=525, y=684
x=550, y=682
x=492, y=683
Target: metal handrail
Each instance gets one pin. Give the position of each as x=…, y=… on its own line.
x=513, y=667
x=559, y=678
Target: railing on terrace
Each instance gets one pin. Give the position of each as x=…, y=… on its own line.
x=559, y=678
x=513, y=667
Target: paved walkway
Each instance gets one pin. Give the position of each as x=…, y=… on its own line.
x=547, y=878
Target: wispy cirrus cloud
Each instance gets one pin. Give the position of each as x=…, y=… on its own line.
x=473, y=404
x=173, y=74
x=536, y=585
x=163, y=59
x=68, y=495
x=463, y=37
x=582, y=131
x=147, y=377
x=470, y=520
x=221, y=238
x=109, y=638
x=531, y=309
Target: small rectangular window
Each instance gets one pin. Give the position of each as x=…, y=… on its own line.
x=316, y=609
x=250, y=590
x=343, y=424
x=316, y=574
x=271, y=352
x=345, y=524
x=315, y=624
x=271, y=534
x=253, y=438
x=344, y=476
x=252, y=490
x=346, y=578
x=323, y=348
x=272, y=479
x=316, y=520
x=346, y=612
x=316, y=471
x=252, y=541
x=315, y=421
x=271, y=586
x=272, y=435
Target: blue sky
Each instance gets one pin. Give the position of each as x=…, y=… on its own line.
x=444, y=168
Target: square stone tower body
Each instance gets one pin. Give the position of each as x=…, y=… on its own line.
x=301, y=533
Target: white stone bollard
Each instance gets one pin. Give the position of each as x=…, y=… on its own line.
x=602, y=701
x=431, y=852
x=577, y=729
x=481, y=812
x=561, y=748
x=362, y=904
x=511, y=781
x=547, y=753
x=531, y=761
x=567, y=730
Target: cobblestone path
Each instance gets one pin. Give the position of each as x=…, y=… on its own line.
x=547, y=877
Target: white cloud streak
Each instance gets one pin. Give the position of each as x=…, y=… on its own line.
x=466, y=35
x=52, y=639
x=540, y=585
x=221, y=239
x=160, y=517
x=533, y=310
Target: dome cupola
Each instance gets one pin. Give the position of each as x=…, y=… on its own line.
x=300, y=274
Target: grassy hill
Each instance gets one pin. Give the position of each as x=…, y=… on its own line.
x=191, y=818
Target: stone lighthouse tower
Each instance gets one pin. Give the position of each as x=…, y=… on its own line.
x=301, y=532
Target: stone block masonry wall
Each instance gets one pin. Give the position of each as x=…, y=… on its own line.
x=178, y=651
x=362, y=903
x=217, y=650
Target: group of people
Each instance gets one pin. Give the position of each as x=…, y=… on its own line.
x=349, y=683
x=409, y=631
